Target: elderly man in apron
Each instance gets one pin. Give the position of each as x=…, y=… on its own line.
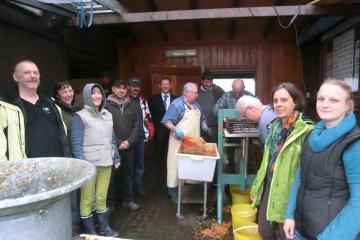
x=183, y=117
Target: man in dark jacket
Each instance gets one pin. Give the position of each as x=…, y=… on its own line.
x=209, y=93
x=44, y=129
x=158, y=105
x=126, y=127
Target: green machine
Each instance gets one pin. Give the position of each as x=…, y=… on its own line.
x=240, y=141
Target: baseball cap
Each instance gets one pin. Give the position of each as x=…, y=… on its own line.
x=119, y=83
x=134, y=82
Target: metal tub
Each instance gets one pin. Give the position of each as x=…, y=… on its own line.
x=35, y=197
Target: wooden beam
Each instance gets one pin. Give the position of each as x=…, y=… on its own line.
x=233, y=24
x=244, y=12
x=193, y=5
x=271, y=22
x=160, y=26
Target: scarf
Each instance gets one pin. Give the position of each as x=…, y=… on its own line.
x=280, y=141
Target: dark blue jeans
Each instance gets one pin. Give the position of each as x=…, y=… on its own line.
x=139, y=167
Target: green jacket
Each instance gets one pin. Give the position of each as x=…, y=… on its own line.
x=285, y=167
x=12, y=133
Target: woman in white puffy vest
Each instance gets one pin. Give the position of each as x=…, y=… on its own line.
x=93, y=140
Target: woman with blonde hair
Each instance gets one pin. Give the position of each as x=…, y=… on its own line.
x=324, y=202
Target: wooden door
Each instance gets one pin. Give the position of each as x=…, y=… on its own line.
x=178, y=75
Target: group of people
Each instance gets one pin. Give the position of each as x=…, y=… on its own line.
x=107, y=131
x=307, y=186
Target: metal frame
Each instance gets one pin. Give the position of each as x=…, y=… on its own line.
x=241, y=152
x=179, y=216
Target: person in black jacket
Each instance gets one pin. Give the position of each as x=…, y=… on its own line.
x=126, y=120
x=44, y=129
x=158, y=105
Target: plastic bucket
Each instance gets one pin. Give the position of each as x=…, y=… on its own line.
x=242, y=213
x=239, y=197
x=246, y=231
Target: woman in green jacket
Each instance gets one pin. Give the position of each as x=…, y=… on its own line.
x=280, y=160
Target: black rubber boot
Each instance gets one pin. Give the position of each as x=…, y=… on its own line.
x=88, y=225
x=105, y=228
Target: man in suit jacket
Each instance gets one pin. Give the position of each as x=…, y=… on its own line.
x=158, y=105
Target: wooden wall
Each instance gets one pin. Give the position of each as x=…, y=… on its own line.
x=22, y=36
x=272, y=62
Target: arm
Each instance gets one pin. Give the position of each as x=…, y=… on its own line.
x=77, y=137
x=220, y=104
x=151, y=106
x=289, y=224
x=116, y=158
x=172, y=115
x=3, y=141
x=346, y=225
x=291, y=206
x=203, y=119
x=171, y=118
x=135, y=127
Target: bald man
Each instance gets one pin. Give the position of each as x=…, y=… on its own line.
x=44, y=129
x=229, y=99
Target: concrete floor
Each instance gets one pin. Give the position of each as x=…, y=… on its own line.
x=156, y=219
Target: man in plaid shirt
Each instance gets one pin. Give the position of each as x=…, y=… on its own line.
x=229, y=99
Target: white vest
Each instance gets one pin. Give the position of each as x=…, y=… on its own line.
x=98, y=131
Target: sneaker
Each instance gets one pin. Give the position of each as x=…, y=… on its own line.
x=140, y=190
x=132, y=206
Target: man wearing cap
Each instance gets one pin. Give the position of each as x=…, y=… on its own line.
x=146, y=133
x=209, y=93
x=158, y=104
x=183, y=117
x=126, y=127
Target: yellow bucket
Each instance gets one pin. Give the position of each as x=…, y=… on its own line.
x=239, y=197
x=246, y=231
x=242, y=213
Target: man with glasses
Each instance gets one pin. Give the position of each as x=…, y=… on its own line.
x=252, y=109
x=183, y=117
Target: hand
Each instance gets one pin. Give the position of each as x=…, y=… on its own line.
x=289, y=226
x=124, y=145
x=146, y=140
x=252, y=197
x=178, y=134
x=208, y=131
x=117, y=165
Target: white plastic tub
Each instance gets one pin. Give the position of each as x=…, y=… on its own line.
x=196, y=167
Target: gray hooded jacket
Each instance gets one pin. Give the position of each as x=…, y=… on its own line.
x=93, y=139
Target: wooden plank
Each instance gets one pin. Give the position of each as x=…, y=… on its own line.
x=243, y=12
x=207, y=55
x=226, y=55
x=233, y=55
x=214, y=55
